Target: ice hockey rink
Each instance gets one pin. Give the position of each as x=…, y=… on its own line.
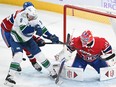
x=29, y=77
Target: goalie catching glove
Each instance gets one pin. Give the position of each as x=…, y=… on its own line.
x=64, y=53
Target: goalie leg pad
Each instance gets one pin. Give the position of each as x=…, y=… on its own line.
x=107, y=73
x=72, y=73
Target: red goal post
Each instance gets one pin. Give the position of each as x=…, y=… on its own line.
x=72, y=12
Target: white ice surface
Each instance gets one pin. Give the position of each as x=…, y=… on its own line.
x=54, y=22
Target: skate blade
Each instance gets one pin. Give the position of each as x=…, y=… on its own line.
x=9, y=84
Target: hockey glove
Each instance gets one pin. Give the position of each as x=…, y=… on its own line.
x=64, y=53
x=54, y=39
x=39, y=41
x=38, y=30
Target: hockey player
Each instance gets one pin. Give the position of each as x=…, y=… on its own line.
x=90, y=50
x=25, y=25
x=6, y=26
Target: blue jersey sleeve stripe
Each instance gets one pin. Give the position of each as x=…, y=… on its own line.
x=107, y=49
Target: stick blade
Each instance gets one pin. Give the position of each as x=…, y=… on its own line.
x=110, y=57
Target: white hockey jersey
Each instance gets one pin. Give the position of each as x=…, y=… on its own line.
x=23, y=29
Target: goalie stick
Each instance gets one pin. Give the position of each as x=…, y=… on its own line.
x=60, y=70
x=63, y=61
x=109, y=57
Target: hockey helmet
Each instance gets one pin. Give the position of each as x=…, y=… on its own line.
x=31, y=13
x=86, y=38
x=27, y=4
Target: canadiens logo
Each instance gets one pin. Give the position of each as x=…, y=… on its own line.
x=110, y=73
x=71, y=74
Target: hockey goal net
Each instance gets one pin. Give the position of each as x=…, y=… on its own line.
x=76, y=19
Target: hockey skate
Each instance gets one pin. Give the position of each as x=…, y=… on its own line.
x=37, y=66
x=9, y=81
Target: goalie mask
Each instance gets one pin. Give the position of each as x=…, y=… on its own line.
x=86, y=38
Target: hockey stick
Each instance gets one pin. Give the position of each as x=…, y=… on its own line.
x=62, y=64
x=60, y=42
x=109, y=57
x=60, y=70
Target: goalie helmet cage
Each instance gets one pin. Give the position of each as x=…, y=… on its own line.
x=82, y=9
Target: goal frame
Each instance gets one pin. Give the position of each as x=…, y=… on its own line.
x=81, y=9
